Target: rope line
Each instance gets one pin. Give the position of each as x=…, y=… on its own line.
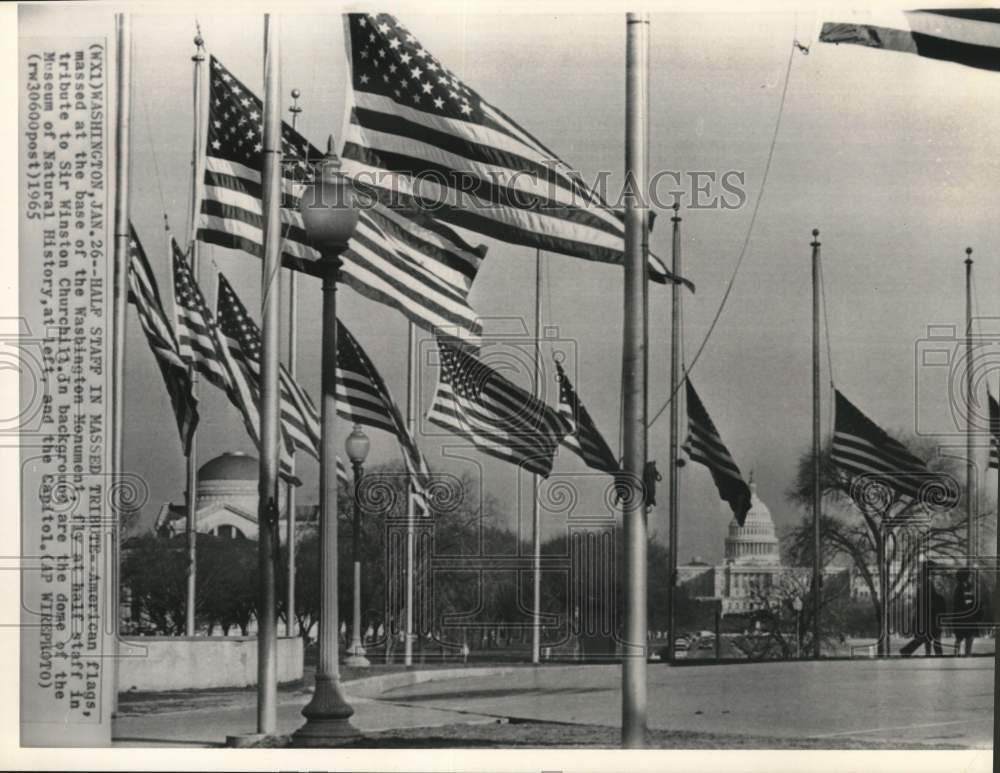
x=746, y=241
x=829, y=346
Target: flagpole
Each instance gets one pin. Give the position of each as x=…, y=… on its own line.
x=996, y=589
x=817, y=495
x=969, y=451
x=536, y=531
x=675, y=344
x=123, y=160
x=267, y=512
x=411, y=426
x=634, y=382
x=293, y=346
x=190, y=523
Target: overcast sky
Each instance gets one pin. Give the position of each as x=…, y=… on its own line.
x=891, y=156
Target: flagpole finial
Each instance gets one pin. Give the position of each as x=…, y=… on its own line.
x=676, y=207
x=968, y=254
x=815, y=241
x=199, y=44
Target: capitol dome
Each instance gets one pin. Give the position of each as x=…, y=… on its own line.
x=755, y=541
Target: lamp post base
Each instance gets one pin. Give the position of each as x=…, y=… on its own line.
x=328, y=718
x=357, y=661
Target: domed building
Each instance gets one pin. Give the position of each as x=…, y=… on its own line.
x=752, y=560
x=226, y=501
x=755, y=542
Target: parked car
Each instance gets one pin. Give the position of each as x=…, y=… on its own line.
x=681, y=643
x=707, y=642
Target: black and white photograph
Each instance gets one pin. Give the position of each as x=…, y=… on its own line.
x=552, y=386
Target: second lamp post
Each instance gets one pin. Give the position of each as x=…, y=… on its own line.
x=357, y=445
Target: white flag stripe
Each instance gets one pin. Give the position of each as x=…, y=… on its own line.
x=972, y=31
x=521, y=219
x=480, y=134
x=515, y=181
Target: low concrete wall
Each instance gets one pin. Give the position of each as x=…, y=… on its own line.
x=180, y=662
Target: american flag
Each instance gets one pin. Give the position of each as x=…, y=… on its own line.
x=300, y=421
x=862, y=448
x=364, y=398
x=420, y=267
x=704, y=445
x=969, y=36
x=500, y=418
x=144, y=293
x=583, y=438
x=477, y=168
x=197, y=337
x=994, y=431
x=209, y=353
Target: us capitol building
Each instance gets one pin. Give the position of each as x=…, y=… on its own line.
x=752, y=559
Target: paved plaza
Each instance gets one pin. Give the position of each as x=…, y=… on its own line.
x=928, y=701
x=922, y=700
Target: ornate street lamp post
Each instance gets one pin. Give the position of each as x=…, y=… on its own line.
x=357, y=445
x=797, y=606
x=330, y=216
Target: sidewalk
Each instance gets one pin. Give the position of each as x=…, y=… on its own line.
x=899, y=703
x=203, y=718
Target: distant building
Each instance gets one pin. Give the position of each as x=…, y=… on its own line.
x=226, y=502
x=752, y=560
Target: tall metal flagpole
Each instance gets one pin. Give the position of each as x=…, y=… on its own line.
x=996, y=630
x=969, y=451
x=411, y=425
x=817, y=496
x=123, y=158
x=267, y=511
x=634, y=380
x=536, y=529
x=675, y=345
x=190, y=524
x=293, y=346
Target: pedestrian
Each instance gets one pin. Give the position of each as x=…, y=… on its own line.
x=928, y=611
x=968, y=611
x=465, y=652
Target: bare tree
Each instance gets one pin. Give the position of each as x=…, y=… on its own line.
x=778, y=629
x=884, y=536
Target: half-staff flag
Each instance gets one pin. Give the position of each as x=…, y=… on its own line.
x=363, y=398
x=969, y=36
x=405, y=260
x=203, y=346
x=583, y=438
x=994, y=462
x=143, y=292
x=499, y=417
x=704, y=445
x=865, y=452
x=412, y=118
